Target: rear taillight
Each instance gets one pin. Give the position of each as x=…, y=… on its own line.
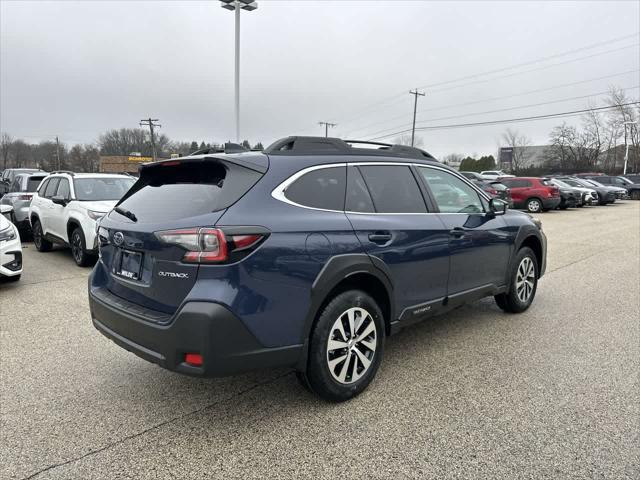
x=25, y=197
x=208, y=245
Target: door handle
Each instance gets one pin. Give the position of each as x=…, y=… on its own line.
x=458, y=232
x=380, y=237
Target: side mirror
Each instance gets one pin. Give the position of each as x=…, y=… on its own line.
x=58, y=200
x=497, y=206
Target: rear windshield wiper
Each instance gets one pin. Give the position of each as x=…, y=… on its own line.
x=126, y=213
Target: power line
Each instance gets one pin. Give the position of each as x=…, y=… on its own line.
x=510, y=108
x=465, y=104
x=445, y=82
x=510, y=120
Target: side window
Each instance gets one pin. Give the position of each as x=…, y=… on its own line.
x=525, y=183
x=15, y=186
x=393, y=189
x=63, y=189
x=322, y=188
x=358, y=198
x=52, y=186
x=451, y=194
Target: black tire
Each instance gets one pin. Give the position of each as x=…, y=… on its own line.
x=41, y=243
x=79, y=248
x=319, y=376
x=512, y=301
x=534, y=205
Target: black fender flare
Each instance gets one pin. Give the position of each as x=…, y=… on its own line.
x=525, y=232
x=337, y=269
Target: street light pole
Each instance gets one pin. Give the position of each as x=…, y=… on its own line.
x=238, y=5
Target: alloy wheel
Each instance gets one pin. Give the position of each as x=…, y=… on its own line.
x=76, y=246
x=534, y=206
x=525, y=279
x=351, y=345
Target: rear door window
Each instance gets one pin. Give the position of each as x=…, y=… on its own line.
x=323, y=188
x=393, y=189
x=187, y=189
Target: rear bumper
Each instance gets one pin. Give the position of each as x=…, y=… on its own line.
x=551, y=203
x=207, y=328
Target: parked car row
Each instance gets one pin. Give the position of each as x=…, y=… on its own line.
x=539, y=194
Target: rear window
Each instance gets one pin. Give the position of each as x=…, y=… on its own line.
x=323, y=188
x=188, y=189
x=97, y=189
x=32, y=183
x=499, y=187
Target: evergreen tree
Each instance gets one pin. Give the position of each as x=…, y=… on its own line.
x=193, y=147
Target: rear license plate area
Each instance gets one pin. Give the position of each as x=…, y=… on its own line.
x=130, y=265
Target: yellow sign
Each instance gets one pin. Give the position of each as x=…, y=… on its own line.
x=140, y=159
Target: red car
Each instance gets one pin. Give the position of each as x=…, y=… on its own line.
x=532, y=193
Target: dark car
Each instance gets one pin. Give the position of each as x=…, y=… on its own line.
x=570, y=197
x=306, y=255
x=632, y=188
x=605, y=194
x=473, y=176
x=618, y=192
x=633, y=178
x=532, y=193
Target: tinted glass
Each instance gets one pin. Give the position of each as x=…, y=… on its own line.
x=95, y=189
x=63, y=189
x=43, y=187
x=358, y=198
x=15, y=186
x=52, y=186
x=322, y=188
x=393, y=189
x=451, y=194
x=32, y=183
x=187, y=190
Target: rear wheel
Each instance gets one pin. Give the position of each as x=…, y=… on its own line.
x=346, y=347
x=79, y=249
x=534, y=205
x=41, y=243
x=523, y=283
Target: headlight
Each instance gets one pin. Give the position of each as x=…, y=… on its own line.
x=93, y=215
x=8, y=233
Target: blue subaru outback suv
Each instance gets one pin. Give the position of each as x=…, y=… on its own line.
x=306, y=255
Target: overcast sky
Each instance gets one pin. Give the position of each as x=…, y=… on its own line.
x=78, y=68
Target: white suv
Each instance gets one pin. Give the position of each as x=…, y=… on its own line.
x=67, y=205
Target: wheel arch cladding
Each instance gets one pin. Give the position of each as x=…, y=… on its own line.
x=534, y=243
x=72, y=224
x=348, y=272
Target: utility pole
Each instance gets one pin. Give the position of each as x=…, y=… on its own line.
x=326, y=127
x=149, y=123
x=58, y=151
x=416, y=94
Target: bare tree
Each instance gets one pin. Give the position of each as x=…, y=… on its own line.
x=6, y=141
x=453, y=159
x=519, y=143
x=406, y=140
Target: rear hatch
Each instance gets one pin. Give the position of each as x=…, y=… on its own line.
x=142, y=241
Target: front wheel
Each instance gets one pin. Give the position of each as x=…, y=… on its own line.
x=346, y=347
x=79, y=249
x=523, y=283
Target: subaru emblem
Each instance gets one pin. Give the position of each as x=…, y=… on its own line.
x=118, y=238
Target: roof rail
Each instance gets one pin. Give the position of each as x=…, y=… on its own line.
x=226, y=148
x=68, y=172
x=337, y=146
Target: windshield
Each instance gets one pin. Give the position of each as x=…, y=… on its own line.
x=96, y=189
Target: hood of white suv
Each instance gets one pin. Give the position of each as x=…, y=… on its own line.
x=100, y=206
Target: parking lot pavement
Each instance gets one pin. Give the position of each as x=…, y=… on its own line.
x=551, y=393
